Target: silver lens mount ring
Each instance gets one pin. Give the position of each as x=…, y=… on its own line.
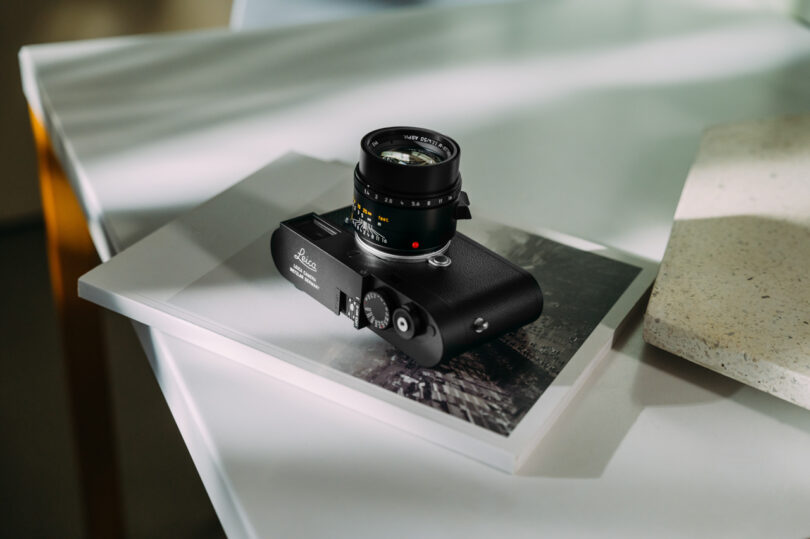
x=421, y=257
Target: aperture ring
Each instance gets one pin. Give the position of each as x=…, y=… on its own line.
x=406, y=202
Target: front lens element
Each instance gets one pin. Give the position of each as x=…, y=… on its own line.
x=410, y=156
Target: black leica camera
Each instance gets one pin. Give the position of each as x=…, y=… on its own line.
x=393, y=260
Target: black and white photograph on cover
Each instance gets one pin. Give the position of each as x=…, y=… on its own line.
x=496, y=384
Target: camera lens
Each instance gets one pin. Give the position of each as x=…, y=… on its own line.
x=407, y=193
x=411, y=156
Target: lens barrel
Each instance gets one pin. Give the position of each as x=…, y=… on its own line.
x=407, y=193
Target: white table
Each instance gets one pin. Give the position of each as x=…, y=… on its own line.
x=570, y=116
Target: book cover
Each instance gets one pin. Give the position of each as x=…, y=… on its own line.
x=208, y=277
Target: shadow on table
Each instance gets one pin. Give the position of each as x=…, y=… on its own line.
x=583, y=440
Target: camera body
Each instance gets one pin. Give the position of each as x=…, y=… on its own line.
x=393, y=260
x=431, y=309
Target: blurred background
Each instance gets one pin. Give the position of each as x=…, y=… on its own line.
x=43, y=21
x=162, y=493
x=39, y=489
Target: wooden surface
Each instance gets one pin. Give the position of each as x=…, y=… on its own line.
x=70, y=254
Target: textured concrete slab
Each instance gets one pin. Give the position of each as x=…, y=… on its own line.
x=733, y=289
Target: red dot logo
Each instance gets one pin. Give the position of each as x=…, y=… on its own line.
x=415, y=245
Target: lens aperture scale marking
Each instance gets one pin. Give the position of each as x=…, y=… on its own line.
x=410, y=201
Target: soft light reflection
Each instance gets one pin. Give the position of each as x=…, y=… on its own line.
x=269, y=320
x=734, y=184
x=492, y=89
x=189, y=117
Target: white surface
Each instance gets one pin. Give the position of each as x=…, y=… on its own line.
x=207, y=277
x=579, y=121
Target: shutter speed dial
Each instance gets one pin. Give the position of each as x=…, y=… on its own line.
x=377, y=308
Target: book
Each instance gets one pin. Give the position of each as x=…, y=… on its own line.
x=208, y=277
